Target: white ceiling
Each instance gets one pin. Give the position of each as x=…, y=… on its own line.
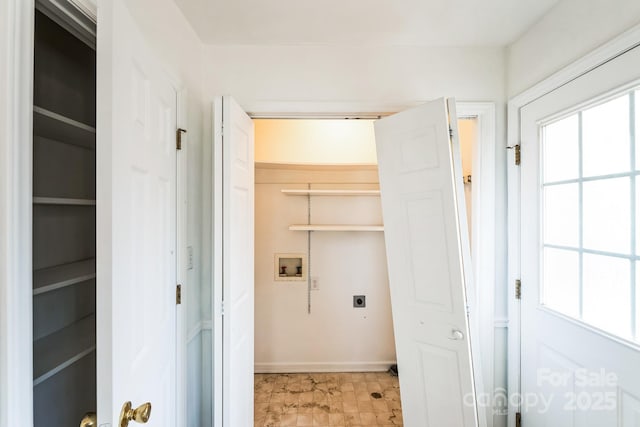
x=363, y=22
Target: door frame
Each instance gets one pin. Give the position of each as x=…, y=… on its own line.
x=600, y=56
x=16, y=124
x=483, y=212
x=16, y=171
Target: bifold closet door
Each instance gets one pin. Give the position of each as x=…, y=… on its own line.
x=428, y=258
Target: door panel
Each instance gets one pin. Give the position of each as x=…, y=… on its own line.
x=423, y=209
x=575, y=282
x=136, y=217
x=234, y=176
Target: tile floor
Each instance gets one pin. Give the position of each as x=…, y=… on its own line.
x=323, y=400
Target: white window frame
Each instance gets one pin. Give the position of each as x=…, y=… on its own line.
x=614, y=48
x=632, y=253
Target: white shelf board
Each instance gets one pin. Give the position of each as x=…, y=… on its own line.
x=55, y=352
x=63, y=201
x=334, y=192
x=52, y=278
x=50, y=125
x=335, y=227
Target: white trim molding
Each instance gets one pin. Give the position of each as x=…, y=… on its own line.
x=617, y=46
x=182, y=97
x=289, y=368
x=483, y=241
x=16, y=95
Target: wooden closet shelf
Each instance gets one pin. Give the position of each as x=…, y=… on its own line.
x=334, y=192
x=63, y=201
x=59, y=276
x=50, y=125
x=61, y=349
x=335, y=227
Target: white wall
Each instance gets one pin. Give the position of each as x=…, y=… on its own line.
x=352, y=79
x=335, y=336
x=569, y=31
x=336, y=141
x=176, y=43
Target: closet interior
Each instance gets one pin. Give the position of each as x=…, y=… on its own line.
x=64, y=222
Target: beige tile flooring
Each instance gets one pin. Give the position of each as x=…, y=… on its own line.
x=323, y=400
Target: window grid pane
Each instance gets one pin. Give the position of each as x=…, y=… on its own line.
x=604, y=219
x=605, y=137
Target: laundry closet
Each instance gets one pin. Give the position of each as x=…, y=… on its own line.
x=322, y=301
x=64, y=217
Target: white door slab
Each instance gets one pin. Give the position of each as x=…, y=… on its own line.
x=424, y=219
x=233, y=262
x=575, y=372
x=136, y=223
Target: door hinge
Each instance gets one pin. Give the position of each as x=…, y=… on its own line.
x=222, y=308
x=179, y=294
x=518, y=419
x=516, y=149
x=518, y=288
x=451, y=132
x=179, y=133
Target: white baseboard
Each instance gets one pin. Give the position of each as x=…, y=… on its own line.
x=286, y=368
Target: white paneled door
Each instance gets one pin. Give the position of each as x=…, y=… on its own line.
x=425, y=228
x=136, y=223
x=580, y=269
x=233, y=263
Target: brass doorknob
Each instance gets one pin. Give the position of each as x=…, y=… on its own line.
x=140, y=415
x=90, y=419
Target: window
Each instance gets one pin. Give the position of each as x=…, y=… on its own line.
x=590, y=215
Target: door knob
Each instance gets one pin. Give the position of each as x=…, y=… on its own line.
x=90, y=419
x=140, y=415
x=456, y=335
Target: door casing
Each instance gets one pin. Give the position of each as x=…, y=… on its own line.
x=483, y=215
x=16, y=110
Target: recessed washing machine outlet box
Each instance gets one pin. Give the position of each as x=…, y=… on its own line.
x=290, y=267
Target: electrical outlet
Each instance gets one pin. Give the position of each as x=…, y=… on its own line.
x=359, y=301
x=189, y=257
x=315, y=284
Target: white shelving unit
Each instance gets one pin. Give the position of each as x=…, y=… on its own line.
x=63, y=201
x=64, y=228
x=63, y=348
x=57, y=127
x=60, y=276
x=335, y=227
x=335, y=192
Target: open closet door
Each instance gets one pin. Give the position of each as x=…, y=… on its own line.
x=233, y=263
x=136, y=223
x=425, y=225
